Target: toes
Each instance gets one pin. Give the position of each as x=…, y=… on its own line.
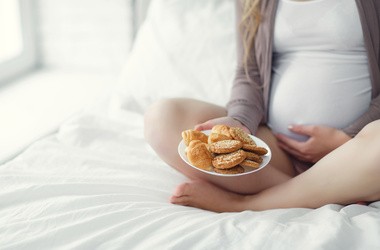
x=182, y=190
x=189, y=193
x=182, y=195
x=183, y=200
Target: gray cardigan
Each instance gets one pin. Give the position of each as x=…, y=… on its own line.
x=249, y=99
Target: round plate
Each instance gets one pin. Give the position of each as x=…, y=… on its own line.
x=248, y=170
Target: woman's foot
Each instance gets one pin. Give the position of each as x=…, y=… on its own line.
x=201, y=194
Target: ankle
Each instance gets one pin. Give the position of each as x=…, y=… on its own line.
x=241, y=203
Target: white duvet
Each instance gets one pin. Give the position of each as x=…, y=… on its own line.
x=96, y=184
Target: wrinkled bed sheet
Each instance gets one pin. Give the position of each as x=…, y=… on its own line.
x=97, y=185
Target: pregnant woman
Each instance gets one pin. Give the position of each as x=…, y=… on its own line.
x=308, y=84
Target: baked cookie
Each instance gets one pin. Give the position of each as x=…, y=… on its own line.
x=199, y=155
x=225, y=161
x=241, y=135
x=249, y=163
x=255, y=149
x=253, y=157
x=226, y=146
x=214, y=137
x=189, y=135
x=221, y=129
x=234, y=170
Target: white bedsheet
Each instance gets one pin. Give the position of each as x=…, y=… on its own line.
x=97, y=185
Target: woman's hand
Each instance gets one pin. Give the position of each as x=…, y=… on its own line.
x=322, y=140
x=229, y=121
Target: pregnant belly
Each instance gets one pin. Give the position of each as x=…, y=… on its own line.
x=317, y=94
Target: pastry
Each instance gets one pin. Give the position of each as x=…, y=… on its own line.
x=193, y=143
x=214, y=137
x=222, y=129
x=227, y=150
x=189, y=135
x=199, y=155
x=241, y=135
x=255, y=149
x=226, y=146
x=230, y=160
x=253, y=157
x=234, y=170
x=249, y=163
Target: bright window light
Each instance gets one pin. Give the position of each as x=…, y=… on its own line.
x=11, y=44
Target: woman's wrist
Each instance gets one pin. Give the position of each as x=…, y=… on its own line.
x=242, y=125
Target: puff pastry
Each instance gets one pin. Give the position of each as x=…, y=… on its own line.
x=225, y=161
x=255, y=149
x=226, y=146
x=241, y=135
x=215, y=137
x=199, y=155
x=235, y=170
x=189, y=135
x=222, y=129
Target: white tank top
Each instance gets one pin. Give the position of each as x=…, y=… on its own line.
x=320, y=70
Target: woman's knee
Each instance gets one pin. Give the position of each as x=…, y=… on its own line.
x=371, y=130
x=165, y=119
x=160, y=115
x=161, y=110
x=369, y=140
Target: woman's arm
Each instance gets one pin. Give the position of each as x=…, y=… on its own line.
x=246, y=101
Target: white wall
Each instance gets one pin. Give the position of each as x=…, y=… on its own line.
x=87, y=35
x=82, y=46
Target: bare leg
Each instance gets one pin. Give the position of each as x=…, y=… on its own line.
x=165, y=121
x=349, y=174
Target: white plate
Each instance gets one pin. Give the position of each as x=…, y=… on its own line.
x=248, y=170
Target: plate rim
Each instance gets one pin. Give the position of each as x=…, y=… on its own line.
x=181, y=148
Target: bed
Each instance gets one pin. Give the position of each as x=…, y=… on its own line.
x=96, y=184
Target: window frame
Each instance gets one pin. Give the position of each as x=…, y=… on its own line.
x=26, y=60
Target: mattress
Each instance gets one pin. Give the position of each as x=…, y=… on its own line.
x=96, y=183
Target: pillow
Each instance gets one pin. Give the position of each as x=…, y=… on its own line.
x=183, y=49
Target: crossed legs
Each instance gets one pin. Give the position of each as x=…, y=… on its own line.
x=344, y=176
x=349, y=174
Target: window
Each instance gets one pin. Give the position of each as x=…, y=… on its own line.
x=10, y=29
x=17, y=43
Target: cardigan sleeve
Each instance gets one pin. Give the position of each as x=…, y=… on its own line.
x=246, y=101
x=370, y=16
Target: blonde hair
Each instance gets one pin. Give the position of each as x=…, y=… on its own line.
x=249, y=24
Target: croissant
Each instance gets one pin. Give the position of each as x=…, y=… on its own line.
x=199, y=155
x=189, y=135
